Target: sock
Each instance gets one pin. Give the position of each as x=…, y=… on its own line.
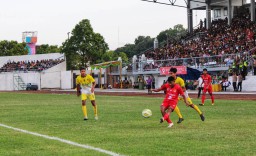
x=166, y=116
x=95, y=110
x=177, y=110
x=203, y=98
x=84, y=111
x=168, y=120
x=212, y=97
x=197, y=109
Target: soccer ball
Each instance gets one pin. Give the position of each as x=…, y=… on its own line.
x=146, y=113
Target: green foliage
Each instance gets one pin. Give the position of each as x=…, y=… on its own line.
x=171, y=34
x=113, y=56
x=12, y=48
x=84, y=45
x=45, y=48
x=129, y=49
x=229, y=128
x=142, y=43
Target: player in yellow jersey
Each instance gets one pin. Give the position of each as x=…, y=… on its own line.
x=85, y=84
x=181, y=82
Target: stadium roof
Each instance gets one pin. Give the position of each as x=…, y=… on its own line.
x=197, y=4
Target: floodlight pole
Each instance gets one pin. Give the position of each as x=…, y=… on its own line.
x=68, y=35
x=190, y=17
x=252, y=10
x=121, y=85
x=100, y=78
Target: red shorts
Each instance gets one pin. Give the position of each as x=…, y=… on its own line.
x=171, y=104
x=208, y=89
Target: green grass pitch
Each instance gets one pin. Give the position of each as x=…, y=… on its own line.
x=229, y=128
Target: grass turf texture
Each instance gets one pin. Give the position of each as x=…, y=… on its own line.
x=229, y=128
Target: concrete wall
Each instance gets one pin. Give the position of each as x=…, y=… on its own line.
x=249, y=84
x=59, y=67
x=6, y=81
x=49, y=80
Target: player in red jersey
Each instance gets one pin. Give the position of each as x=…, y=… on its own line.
x=173, y=91
x=207, y=81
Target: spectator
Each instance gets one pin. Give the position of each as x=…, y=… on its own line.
x=234, y=80
x=200, y=86
x=149, y=84
x=30, y=65
x=109, y=86
x=240, y=80
x=225, y=84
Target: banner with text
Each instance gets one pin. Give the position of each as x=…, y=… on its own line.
x=181, y=70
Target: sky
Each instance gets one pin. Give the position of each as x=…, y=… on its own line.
x=118, y=21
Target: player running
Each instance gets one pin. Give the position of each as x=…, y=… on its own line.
x=181, y=83
x=207, y=81
x=85, y=84
x=173, y=91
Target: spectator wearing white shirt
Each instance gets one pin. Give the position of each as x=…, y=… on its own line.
x=200, y=86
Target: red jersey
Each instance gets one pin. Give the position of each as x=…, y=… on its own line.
x=173, y=93
x=207, y=80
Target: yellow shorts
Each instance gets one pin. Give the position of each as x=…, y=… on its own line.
x=90, y=96
x=188, y=99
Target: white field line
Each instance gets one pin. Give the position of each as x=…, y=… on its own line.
x=62, y=140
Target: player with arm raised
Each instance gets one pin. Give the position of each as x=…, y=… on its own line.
x=207, y=81
x=173, y=91
x=85, y=84
x=181, y=83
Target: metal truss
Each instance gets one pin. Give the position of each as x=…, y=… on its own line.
x=173, y=2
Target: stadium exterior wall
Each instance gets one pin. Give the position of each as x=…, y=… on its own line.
x=59, y=67
x=247, y=85
x=44, y=80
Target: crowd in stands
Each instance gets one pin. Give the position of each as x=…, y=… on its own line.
x=26, y=66
x=220, y=40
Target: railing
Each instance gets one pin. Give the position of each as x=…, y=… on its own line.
x=194, y=62
x=18, y=83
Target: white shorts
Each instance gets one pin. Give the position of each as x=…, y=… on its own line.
x=86, y=91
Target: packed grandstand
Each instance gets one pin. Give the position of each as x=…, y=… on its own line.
x=25, y=66
x=222, y=44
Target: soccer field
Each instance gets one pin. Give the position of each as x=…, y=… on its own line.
x=229, y=128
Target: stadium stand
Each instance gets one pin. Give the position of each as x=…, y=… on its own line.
x=30, y=65
x=26, y=63
x=221, y=39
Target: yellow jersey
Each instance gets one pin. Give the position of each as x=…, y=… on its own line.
x=85, y=83
x=180, y=82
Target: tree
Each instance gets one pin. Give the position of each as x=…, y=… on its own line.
x=12, y=48
x=45, y=48
x=113, y=56
x=171, y=34
x=129, y=49
x=84, y=45
x=143, y=43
